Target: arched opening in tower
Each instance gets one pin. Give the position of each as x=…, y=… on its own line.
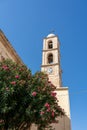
x=50, y=44
x=50, y=58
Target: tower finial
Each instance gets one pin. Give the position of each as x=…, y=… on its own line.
x=52, y=31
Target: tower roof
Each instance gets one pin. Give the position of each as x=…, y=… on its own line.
x=50, y=35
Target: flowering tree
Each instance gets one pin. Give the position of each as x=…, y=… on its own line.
x=26, y=99
x=44, y=108
x=14, y=98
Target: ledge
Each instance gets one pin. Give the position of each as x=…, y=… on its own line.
x=50, y=49
x=49, y=65
x=62, y=88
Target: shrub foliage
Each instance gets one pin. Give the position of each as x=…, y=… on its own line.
x=26, y=99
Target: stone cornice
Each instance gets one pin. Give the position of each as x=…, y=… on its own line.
x=49, y=65
x=50, y=49
x=62, y=88
x=9, y=48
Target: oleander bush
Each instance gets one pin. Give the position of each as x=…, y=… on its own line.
x=26, y=99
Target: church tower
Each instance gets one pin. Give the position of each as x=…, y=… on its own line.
x=51, y=66
x=51, y=59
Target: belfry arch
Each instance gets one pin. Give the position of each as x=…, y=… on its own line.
x=50, y=58
x=50, y=44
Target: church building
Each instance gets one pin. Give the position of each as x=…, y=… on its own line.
x=51, y=66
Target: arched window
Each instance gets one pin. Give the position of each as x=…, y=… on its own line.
x=50, y=44
x=50, y=58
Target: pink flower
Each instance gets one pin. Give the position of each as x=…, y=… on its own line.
x=34, y=94
x=52, y=114
x=13, y=82
x=5, y=67
x=48, y=110
x=17, y=76
x=47, y=105
x=41, y=113
x=7, y=89
x=53, y=94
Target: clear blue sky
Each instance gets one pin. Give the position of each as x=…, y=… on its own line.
x=27, y=22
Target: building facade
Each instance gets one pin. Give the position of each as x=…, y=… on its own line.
x=6, y=49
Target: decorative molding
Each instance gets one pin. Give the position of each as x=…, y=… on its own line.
x=62, y=88
x=50, y=49
x=9, y=48
x=49, y=65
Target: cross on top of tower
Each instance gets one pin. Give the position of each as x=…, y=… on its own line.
x=52, y=31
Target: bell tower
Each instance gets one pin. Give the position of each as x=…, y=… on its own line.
x=51, y=65
x=51, y=59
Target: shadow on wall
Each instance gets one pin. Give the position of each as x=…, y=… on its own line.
x=63, y=124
